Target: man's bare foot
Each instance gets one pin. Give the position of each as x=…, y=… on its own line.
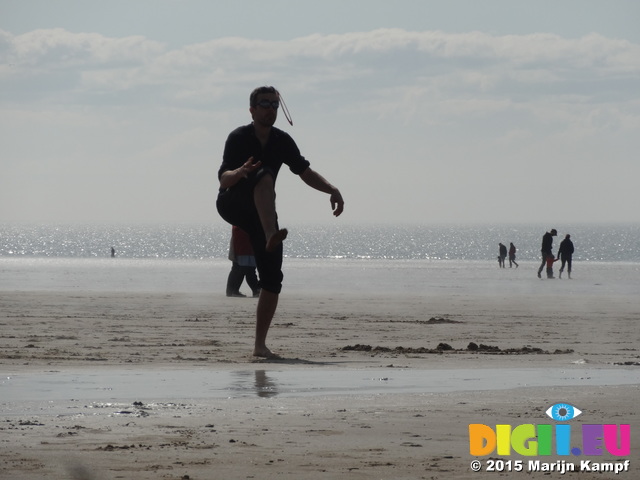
x=276, y=239
x=264, y=353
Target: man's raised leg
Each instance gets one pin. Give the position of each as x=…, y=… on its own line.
x=264, y=196
x=266, y=309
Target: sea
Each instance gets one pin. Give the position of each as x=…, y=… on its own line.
x=420, y=259
x=593, y=243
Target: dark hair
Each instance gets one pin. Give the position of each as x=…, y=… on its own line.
x=253, y=98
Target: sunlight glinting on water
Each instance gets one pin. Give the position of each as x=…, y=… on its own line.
x=619, y=243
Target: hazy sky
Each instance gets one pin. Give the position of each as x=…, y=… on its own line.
x=419, y=111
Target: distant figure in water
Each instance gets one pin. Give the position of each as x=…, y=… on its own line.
x=565, y=252
x=502, y=256
x=113, y=252
x=512, y=255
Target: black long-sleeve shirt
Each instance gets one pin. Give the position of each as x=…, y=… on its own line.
x=547, y=243
x=280, y=149
x=566, y=248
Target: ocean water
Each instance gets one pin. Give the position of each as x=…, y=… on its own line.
x=593, y=243
x=411, y=260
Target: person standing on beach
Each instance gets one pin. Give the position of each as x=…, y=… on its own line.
x=512, y=256
x=565, y=252
x=243, y=264
x=547, y=245
x=253, y=155
x=502, y=250
x=550, y=261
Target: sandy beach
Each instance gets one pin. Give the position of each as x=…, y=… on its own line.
x=263, y=429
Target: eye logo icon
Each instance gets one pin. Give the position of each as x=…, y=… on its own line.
x=562, y=412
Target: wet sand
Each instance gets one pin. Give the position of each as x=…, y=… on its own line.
x=263, y=429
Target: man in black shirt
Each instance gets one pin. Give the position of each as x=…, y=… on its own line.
x=502, y=250
x=253, y=155
x=565, y=252
x=547, y=244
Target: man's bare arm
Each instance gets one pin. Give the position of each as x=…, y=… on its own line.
x=231, y=177
x=318, y=182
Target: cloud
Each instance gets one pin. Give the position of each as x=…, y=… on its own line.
x=59, y=49
x=438, y=105
x=483, y=59
x=390, y=73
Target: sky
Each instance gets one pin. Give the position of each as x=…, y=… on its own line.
x=419, y=111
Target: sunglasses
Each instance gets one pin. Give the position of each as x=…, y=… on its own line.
x=267, y=103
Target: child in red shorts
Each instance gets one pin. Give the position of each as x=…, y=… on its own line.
x=550, y=260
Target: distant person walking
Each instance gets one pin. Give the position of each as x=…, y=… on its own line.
x=502, y=250
x=547, y=245
x=565, y=252
x=243, y=264
x=113, y=252
x=512, y=255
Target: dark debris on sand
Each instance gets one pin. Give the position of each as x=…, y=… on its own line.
x=446, y=348
x=431, y=321
x=434, y=320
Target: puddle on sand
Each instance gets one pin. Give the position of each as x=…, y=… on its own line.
x=154, y=385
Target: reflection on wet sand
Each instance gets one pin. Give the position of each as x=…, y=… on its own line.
x=256, y=381
x=265, y=385
x=115, y=385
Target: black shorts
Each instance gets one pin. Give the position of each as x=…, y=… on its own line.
x=236, y=206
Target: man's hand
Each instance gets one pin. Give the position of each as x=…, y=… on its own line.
x=317, y=181
x=229, y=178
x=337, y=203
x=248, y=167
